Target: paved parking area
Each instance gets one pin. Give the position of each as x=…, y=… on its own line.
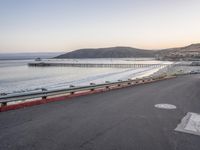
x=121, y=119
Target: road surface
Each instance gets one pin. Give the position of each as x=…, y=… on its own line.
x=123, y=119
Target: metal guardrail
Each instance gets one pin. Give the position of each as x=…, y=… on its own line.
x=47, y=93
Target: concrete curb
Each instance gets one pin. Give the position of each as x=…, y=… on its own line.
x=70, y=96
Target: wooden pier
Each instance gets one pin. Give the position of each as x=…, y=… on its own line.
x=90, y=65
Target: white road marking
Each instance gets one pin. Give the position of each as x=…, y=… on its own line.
x=190, y=124
x=165, y=106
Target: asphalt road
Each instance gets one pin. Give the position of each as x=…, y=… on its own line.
x=123, y=119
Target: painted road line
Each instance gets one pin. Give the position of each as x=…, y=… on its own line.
x=165, y=106
x=190, y=124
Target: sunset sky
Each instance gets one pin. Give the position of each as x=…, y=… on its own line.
x=63, y=25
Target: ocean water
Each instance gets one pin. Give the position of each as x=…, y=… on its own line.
x=16, y=76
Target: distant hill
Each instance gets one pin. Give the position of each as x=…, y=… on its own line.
x=191, y=52
x=112, y=52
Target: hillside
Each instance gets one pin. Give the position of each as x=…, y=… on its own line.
x=191, y=52
x=112, y=52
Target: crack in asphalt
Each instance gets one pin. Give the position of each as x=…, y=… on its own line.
x=89, y=141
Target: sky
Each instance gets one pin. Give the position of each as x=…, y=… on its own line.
x=65, y=25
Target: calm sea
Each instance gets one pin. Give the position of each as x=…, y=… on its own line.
x=17, y=76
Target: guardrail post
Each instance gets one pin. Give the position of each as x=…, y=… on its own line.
x=71, y=86
x=107, y=86
x=3, y=104
x=119, y=83
x=92, y=84
x=129, y=83
x=107, y=82
x=44, y=97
